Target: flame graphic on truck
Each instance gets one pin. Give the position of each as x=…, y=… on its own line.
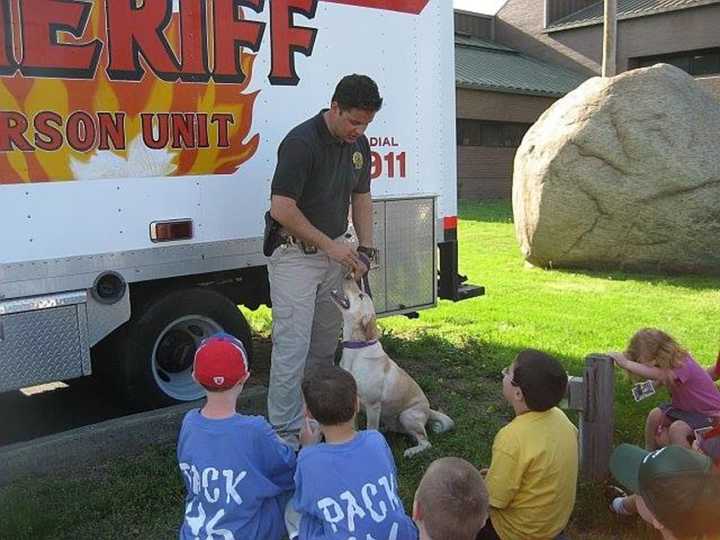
x=68, y=128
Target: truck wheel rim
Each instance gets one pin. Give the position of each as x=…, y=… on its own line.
x=173, y=353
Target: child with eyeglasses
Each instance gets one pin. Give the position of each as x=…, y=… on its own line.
x=533, y=473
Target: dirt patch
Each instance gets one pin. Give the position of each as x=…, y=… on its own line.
x=260, y=368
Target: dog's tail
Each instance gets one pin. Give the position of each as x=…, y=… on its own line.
x=439, y=422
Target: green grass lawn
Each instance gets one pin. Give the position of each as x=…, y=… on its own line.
x=455, y=352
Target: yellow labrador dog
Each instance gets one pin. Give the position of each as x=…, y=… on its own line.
x=386, y=391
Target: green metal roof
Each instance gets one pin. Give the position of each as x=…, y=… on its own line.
x=485, y=65
x=626, y=9
x=477, y=42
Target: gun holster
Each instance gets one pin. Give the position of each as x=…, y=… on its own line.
x=271, y=236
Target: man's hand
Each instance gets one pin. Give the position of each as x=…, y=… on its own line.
x=366, y=262
x=345, y=254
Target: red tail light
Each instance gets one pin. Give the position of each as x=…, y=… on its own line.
x=171, y=230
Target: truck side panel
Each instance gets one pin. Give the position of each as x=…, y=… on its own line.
x=101, y=202
x=119, y=118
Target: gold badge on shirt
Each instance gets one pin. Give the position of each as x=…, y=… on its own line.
x=357, y=160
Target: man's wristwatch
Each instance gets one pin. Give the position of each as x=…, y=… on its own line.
x=369, y=252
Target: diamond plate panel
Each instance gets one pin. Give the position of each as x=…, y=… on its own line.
x=41, y=346
x=377, y=275
x=410, y=250
x=33, y=303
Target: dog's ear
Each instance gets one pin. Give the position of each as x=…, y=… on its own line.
x=370, y=328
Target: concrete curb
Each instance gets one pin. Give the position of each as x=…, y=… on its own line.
x=90, y=445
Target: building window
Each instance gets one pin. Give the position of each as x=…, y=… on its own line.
x=701, y=62
x=474, y=25
x=492, y=134
x=556, y=10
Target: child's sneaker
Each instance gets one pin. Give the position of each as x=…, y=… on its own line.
x=617, y=505
x=616, y=496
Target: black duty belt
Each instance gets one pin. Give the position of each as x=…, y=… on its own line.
x=290, y=240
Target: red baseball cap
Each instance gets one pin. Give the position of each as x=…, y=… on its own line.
x=220, y=362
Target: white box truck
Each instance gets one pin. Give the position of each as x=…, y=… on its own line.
x=138, y=141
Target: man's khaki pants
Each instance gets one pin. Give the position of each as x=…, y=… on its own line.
x=306, y=325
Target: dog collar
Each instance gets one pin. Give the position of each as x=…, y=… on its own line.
x=358, y=344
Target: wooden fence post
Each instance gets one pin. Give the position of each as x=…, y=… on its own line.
x=597, y=423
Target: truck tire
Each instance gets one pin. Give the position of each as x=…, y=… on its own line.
x=156, y=351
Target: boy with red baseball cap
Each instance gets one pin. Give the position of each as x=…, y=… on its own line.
x=238, y=474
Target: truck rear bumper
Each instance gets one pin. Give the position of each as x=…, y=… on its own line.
x=451, y=285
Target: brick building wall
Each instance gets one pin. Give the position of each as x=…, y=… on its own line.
x=520, y=24
x=486, y=172
x=502, y=107
x=677, y=31
x=711, y=84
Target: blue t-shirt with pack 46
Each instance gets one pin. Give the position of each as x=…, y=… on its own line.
x=238, y=476
x=349, y=491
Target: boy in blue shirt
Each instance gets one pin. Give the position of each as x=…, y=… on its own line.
x=237, y=473
x=346, y=487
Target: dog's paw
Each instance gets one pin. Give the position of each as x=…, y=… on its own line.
x=415, y=450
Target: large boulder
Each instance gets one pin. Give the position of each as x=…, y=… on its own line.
x=623, y=172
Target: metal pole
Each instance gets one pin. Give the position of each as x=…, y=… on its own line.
x=609, y=68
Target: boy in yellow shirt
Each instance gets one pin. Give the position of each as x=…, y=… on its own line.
x=533, y=473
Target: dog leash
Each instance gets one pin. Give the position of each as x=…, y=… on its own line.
x=364, y=282
x=364, y=285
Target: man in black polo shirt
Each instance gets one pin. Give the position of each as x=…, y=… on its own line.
x=323, y=167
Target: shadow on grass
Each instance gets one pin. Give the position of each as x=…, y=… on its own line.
x=133, y=497
x=142, y=496
x=694, y=282
x=465, y=382
x=500, y=211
